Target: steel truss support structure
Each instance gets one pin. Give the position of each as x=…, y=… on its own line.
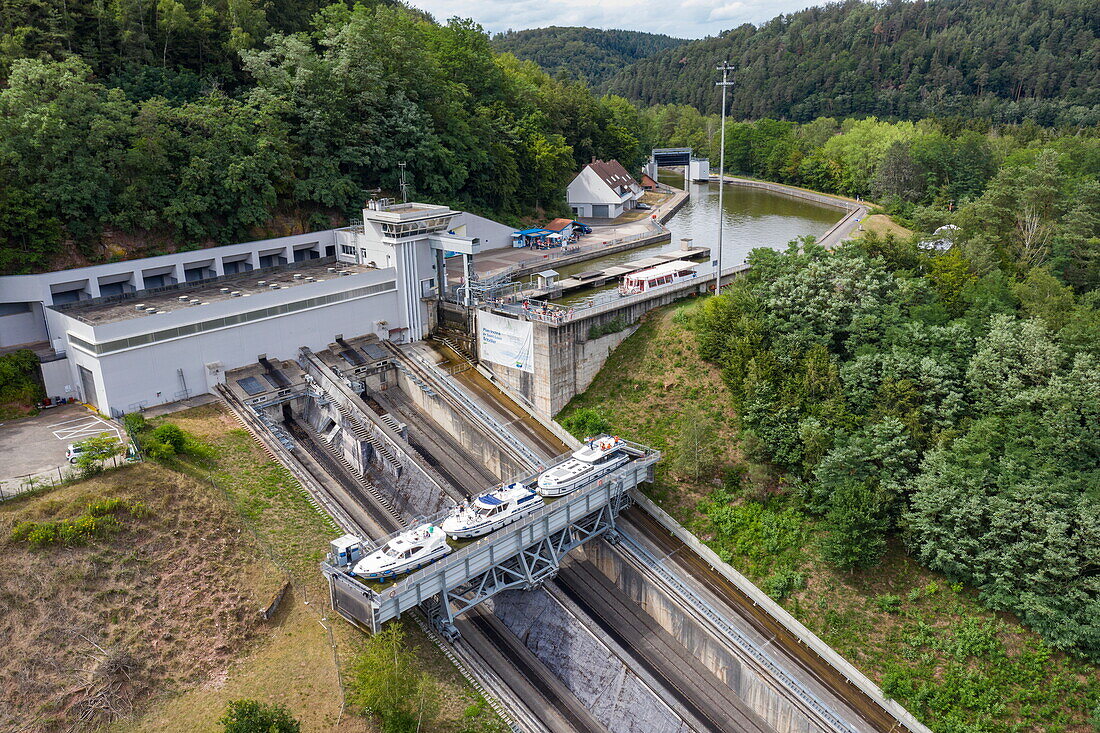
x=522, y=555
x=529, y=569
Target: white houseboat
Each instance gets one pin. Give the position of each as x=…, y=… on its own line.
x=408, y=551
x=490, y=511
x=599, y=457
x=658, y=275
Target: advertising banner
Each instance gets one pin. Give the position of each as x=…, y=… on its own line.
x=506, y=341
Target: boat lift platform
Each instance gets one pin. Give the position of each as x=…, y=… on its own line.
x=521, y=555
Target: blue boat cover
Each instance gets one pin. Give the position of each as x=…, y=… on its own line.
x=489, y=500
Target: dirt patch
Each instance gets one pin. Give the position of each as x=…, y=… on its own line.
x=93, y=632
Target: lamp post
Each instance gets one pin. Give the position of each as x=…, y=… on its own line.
x=725, y=68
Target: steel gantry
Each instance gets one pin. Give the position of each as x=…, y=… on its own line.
x=522, y=555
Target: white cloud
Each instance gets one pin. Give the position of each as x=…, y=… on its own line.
x=686, y=19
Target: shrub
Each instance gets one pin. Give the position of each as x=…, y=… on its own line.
x=19, y=377
x=388, y=686
x=252, y=716
x=96, y=450
x=135, y=424
x=585, y=422
x=171, y=435
x=888, y=603
x=613, y=326
x=783, y=583
x=99, y=519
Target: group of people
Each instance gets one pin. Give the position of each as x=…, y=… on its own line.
x=546, y=311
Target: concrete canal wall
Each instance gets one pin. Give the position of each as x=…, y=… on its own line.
x=756, y=689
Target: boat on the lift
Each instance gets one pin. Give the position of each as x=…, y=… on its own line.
x=665, y=273
x=408, y=551
x=490, y=511
x=599, y=456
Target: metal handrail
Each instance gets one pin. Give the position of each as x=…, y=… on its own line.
x=454, y=559
x=476, y=409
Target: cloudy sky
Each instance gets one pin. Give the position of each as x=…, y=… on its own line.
x=683, y=18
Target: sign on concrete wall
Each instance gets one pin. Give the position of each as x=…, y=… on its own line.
x=506, y=341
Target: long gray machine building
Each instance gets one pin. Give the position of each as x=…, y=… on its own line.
x=129, y=335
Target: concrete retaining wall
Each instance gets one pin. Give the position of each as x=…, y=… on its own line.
x=463, y=429
x=745, y=681
x=614, y=696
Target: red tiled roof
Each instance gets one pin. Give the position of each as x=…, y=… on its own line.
x=558, y=224
x=612, y=173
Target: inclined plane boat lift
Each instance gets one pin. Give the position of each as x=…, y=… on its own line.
x=521, y=555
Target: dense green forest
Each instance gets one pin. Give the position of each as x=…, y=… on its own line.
x=1004, y=60
x=591, y=55
x=127, y=129
x=949, y=397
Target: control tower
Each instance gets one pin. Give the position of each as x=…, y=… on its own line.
x=414, y=239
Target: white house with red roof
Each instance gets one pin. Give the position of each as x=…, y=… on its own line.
x=603, y=190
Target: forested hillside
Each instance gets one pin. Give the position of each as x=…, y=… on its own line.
x=591, y=55
x=1006, y=60
x=1030, y=195
x=133, y=128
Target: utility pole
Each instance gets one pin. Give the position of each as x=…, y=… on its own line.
x=725, y=68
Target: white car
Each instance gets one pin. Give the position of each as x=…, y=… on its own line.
x=74, y=451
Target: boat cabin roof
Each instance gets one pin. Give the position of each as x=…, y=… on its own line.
x=597, y=447
x=666, y=268
x=411, y=538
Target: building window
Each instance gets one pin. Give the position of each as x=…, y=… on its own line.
x=427, y=288
x=347, y=249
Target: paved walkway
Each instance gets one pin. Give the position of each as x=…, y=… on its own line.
x=605, y=234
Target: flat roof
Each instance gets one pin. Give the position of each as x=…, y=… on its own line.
x=192, y=295
x=666, y=268
x=256, y=380
x=354, y=352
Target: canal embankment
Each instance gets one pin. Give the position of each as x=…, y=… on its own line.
x=605, y=240
x=856, y=210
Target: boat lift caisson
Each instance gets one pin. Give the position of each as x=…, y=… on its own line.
x=422, y=545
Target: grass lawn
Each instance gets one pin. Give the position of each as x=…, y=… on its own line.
x=298, y=667
x=180, y=591
x=881, y=224
x=928, y=643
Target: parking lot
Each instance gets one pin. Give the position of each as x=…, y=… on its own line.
x=36, y=446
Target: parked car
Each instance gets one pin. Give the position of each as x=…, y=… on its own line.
x=74, y=451
x=643, y=207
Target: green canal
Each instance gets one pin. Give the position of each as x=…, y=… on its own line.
x=753, y=218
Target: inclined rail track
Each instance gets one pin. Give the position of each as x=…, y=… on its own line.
x=573, y=714
x=368, y=500
x=696, y=689
x=798, y=654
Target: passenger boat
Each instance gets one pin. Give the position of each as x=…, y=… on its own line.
x=490, y=511
x=408, y=551
x=599, y=457
x=652, y=277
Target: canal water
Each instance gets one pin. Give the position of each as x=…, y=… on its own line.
x=753, y=218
